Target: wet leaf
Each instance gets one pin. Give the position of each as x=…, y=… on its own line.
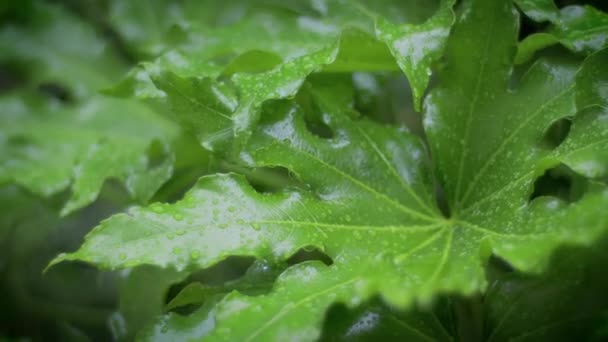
x=368, y=199
x=582, y=29
x=281, y=48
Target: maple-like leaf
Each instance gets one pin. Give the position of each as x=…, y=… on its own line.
x=370, y=204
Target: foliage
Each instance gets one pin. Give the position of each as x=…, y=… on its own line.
x=301, y=170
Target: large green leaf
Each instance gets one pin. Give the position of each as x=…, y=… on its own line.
x=81, y=139
x=279, y=50
x=371, y=204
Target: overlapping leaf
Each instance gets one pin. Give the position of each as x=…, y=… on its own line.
x=523, y=307
x=371, y=205
x=583, y=29
x=280, y=48
x=80, y=139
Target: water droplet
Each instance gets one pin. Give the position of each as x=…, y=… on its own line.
x=170, y=236
x=348, y=218
x=215, y=201
x=231, y=209
x=195, y=255
x=177, y=250
x=255, y=226
x=180, y=232
x=240, y=221
x=178, y=216
x=122, y=256
x=223, y=225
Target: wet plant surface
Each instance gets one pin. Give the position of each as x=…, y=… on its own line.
x=304, y=170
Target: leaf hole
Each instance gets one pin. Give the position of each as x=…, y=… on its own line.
x=317, y=127
x=560, y=182
x=556, y=133
x=272, y=179
x=528, y=26
x=307, y=254
x=55, y=91
x=224, y=271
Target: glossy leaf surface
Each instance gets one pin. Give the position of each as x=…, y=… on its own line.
x=280, y=49
x=368, y=198
x=583, y=29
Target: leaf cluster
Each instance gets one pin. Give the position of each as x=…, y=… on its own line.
x=304, y=170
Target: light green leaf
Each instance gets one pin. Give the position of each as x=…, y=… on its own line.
x=417, y=47
x=533, y=43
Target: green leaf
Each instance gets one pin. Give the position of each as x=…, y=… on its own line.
x=258, y=279
x=49, y=150
x=142, y=298
x=539, y=10
x=81, y=139
x=56, y=41
x=417, y=47
x=485, y=139
x=582, y=29
x=279, y=51
x=376, y=322
x=524, y=308
x=370, y=204
x=586, y=148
